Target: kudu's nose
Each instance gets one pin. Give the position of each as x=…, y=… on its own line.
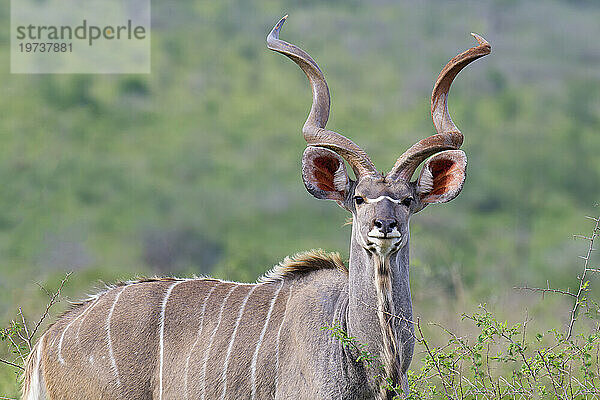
x=385, y=226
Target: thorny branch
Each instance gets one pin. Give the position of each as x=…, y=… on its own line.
x=26, y=336
x=554, y=385
x=545, y=290
x=12, y=365
x=437, y=365
x=583, y=284
x=54, y=298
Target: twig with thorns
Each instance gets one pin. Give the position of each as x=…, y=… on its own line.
x=423, y=341
x=583, y=284
x=27, y=337
x=54, y=298
x=545, y=290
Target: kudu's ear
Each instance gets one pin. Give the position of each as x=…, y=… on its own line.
x=442, y=177
x=324, y=174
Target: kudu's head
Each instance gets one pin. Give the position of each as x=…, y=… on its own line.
x=381, y=205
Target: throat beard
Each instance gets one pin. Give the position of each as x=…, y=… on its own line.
x=386, y=313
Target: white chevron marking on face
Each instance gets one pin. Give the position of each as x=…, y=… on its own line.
x=377, y=200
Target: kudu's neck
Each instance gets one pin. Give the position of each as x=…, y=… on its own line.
x=379, y=307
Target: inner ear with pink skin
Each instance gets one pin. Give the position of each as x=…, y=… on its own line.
x=442, y=177
x=324, y=174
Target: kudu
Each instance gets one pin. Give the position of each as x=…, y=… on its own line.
x=211, y=339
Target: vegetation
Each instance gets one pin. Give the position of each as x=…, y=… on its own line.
x=195, y=168
x=505, y=360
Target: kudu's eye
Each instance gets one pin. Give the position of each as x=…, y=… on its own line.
x=359, y=200
x=407, y=201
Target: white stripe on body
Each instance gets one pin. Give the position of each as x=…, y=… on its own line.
x=187, y=362
x=87, y=312
x=113, y=362
x=231, y=341
x=262, y=335
x=162, y=335
x=278, y=339
x=62, y=336
x=210, y=343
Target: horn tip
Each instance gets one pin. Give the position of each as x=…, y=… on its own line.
x=482, y=42
x=274, y=34
x=278, y=26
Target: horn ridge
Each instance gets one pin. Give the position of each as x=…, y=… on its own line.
x=314, y=130
x=448, y=136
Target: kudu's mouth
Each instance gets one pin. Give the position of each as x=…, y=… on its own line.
x=376, y=233
x=386, y=244
x=380, y=235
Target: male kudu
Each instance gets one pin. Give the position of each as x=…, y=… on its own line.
x=212, y=339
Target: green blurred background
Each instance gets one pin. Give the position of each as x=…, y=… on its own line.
x=195, y=168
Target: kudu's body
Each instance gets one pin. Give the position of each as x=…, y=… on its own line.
x=211, y=339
